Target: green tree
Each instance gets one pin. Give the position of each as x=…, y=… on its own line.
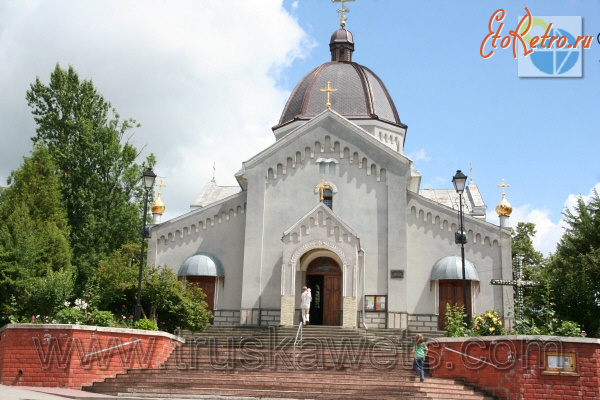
x=522, y=244
x=34, y=247
x=164, y=298
x=535, y=298
x=574, y=269
x=100, y=181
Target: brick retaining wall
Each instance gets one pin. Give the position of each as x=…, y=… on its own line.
x=73, y=356
x=514, y=367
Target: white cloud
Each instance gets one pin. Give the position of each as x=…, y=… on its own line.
x=419, y=155
x=548, y=233
x=200, y=77
x=573, y=198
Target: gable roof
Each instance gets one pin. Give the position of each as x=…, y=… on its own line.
x=321, y=207
x=374, y=150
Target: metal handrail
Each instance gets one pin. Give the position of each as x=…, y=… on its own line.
x=470, y=356
x=298, y=333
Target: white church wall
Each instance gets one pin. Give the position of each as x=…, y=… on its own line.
x=397, y=249
x=217, y=229
x=281, y=186
x=431, y=236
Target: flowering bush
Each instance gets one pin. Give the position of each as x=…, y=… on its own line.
x=455, y=321
x=488, y=324
x=73, y=315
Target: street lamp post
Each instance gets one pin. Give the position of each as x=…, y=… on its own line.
x=148, y=181
x=459, y=180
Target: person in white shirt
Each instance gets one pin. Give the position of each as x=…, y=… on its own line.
x=306, y=298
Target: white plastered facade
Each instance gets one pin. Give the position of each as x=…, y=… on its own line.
x=268, y=233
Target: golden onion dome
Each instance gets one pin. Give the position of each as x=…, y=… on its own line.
x=504, y=208
x=158, y=207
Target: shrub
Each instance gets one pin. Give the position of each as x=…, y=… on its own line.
x=70, y=315
x=145, y=324
x=488, y=324
x=101, y=318
x=569, y=328
x=455, y=321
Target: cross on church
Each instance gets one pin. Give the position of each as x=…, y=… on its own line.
x=329, y=90
x=161, y=185
x=503, y=185
x=342, y=11
x=517, y=283
x=322, y=186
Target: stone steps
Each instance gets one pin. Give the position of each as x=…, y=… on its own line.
x=252, y=364
x=300, y=385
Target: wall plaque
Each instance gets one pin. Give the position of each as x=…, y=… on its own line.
x=397, y=273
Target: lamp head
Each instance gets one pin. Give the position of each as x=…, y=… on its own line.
x=148, y=179
x=459, y=180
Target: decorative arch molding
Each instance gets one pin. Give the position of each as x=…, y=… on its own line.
x=318, y=244
x=337, y=149
x=201, y=224
x=445, y=224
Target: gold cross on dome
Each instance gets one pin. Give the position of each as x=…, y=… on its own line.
x=342, y=11
x=329, y=90
x=161, y=185
x=503, y=185
x=322, y=186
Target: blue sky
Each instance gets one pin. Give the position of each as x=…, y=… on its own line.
x=207, y=80
x=540, y=134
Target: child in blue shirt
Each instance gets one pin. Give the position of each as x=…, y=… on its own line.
x=420, y=353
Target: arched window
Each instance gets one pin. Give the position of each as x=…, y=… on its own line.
x=328, y=198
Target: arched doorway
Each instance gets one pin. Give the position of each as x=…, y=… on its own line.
x=448, y=272
x=203, y=270
x=324, y=278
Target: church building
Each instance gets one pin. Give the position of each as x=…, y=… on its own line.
x=334, y=204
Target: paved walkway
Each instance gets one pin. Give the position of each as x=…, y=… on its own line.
x=46, y=393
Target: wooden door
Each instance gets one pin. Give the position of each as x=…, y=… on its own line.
x=451, y=292
x=332, y=306
x=325, y=270
x=207, y=284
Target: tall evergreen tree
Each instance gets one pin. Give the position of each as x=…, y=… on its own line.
x=34, y=231
x=100, y=181
x=574, y=270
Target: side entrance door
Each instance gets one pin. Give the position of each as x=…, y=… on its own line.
x=207, y=284
x=451, y=292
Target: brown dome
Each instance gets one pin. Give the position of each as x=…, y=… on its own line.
x=360, y=94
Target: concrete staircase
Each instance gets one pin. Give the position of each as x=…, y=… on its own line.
x=256, y=363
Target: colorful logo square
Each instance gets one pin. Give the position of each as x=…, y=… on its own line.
x=558, y=51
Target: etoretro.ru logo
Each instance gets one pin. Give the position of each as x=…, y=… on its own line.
x=547, y=46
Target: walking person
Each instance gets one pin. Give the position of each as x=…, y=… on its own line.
x=420, y=354
x=305, y=300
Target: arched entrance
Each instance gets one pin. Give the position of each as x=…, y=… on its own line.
x=324, y=278
x=448, y=272
x=203, y=270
